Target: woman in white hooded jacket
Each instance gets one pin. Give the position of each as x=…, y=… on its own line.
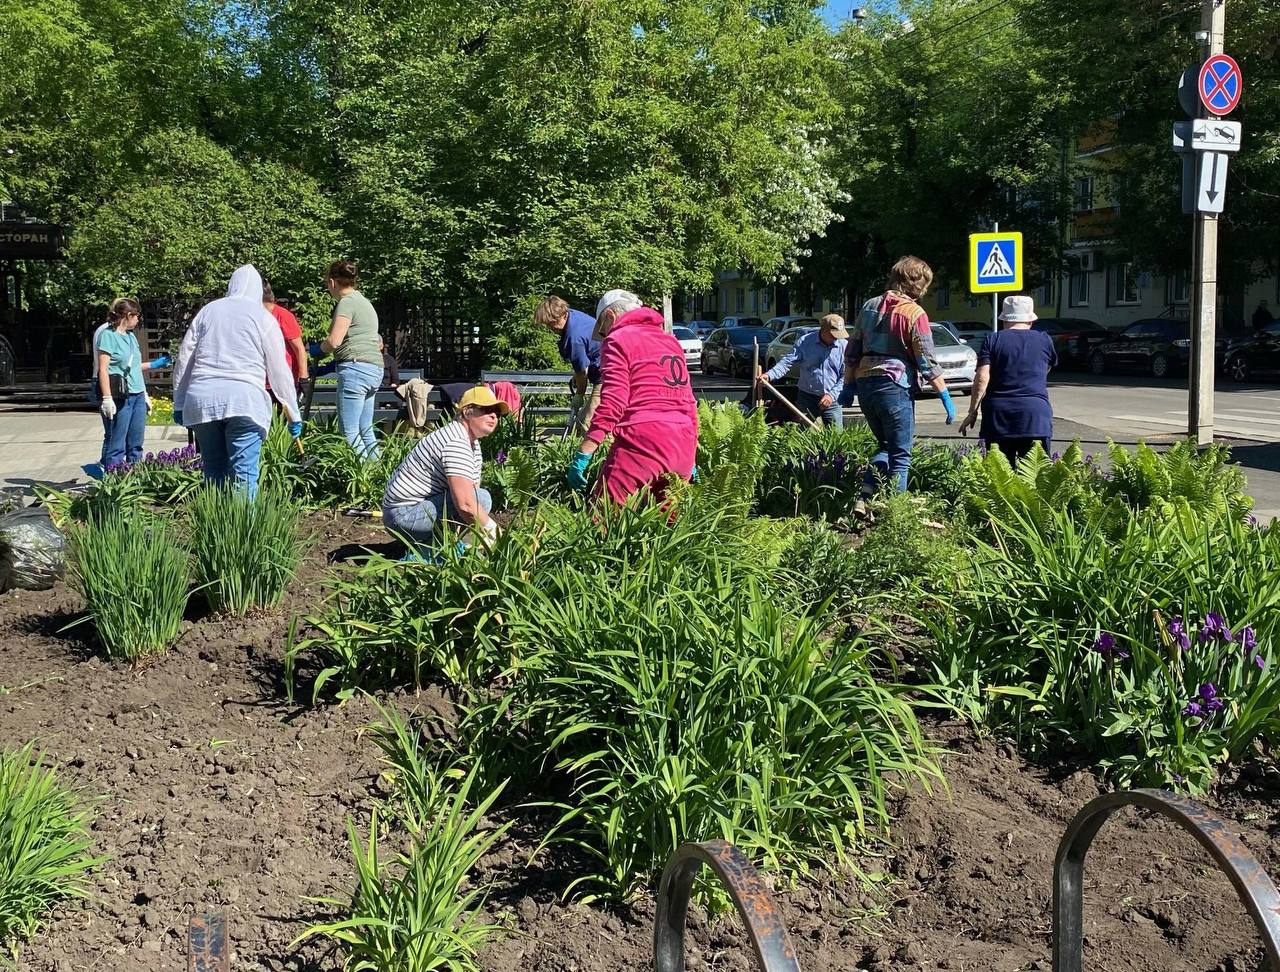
x=230, y=352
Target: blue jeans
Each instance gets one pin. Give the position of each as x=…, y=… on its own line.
x=416, y=524
x=230, y=448
x=833, y=414
x=122, y=436
x=891, y=416
x=358, y=384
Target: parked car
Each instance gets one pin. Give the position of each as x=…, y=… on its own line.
x=702, y=328
x=1074, y=338
x=1159, y=346
x=1257, y=354
x=781, y=346
x=729, y=350
x=691, y=343
x=957, y=360
x=969, y=333
x=781, y=324
x=738, y=321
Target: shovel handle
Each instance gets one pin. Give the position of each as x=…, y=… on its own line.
x=787, y=402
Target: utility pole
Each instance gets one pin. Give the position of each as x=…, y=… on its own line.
x=1204, y=260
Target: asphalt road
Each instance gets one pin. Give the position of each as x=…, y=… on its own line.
x=1126, y=410
x=53, y=446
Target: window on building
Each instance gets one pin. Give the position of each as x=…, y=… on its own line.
x=973, y=300
x=739, y=300
x=1122, y=285
x=755, y=301
x=1046, y=288
x=1180, y=287
x=944, y=294
x=1082, y=194
x=1078, y=289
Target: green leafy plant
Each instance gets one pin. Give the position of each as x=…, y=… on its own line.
x=1069, y=633
x=414, y=913
x=44, y=845
x=134, y=576
x=245, y=551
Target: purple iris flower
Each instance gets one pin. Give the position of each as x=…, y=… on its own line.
x=1105, y=645
x=1248, y=638
x=1209, y=696
x=1214, y=626
x=1193, y=709
x=1260, y=661
x=501, y=457
x=1178, y=632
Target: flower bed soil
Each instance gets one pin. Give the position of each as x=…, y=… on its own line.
x=218, y=795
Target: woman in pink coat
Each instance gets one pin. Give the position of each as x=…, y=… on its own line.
x=646, y=403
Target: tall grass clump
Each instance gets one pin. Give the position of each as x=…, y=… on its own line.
x=44, y=845
x=245, y=551
x=414, y=911
x=135, y=578
x=1148, y=649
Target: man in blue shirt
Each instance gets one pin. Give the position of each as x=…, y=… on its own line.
x=820, y=356
x=578, y=350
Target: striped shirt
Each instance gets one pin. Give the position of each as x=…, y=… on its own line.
x=448, y=451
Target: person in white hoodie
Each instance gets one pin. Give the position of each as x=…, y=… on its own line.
x=230, y=352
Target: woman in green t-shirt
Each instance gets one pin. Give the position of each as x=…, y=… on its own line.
x=353, y=340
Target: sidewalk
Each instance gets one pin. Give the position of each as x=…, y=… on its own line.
x=51, y=447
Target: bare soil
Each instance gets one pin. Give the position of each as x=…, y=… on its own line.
x=215, y=794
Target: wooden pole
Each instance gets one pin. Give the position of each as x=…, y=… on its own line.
x=791, y=405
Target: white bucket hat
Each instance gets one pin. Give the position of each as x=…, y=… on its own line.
x=1018, y=310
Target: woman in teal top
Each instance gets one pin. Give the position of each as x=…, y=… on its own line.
x=120, y=386
x=357, y=354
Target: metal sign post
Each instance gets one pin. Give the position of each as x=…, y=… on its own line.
x=1219, y=89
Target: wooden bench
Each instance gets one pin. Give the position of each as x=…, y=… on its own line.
x=320, y=400
x=558, y=384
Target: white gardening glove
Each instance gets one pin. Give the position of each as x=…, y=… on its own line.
x=489, y=532
x=108, y=408
x=147, y=399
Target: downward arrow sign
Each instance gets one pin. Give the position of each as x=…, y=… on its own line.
x=1213, y=179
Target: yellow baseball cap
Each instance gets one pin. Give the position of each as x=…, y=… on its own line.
x=482, y=397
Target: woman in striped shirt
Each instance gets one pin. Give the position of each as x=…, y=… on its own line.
x=440, y=478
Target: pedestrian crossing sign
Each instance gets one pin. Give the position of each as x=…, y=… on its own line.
x=995, y=262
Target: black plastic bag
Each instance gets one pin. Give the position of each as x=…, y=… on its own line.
x=32, y=551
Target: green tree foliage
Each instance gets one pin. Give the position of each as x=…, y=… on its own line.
x=193, y=212
x=537, y=144
x=950, y=121
x=1124, y=60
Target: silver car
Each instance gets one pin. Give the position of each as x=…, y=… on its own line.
x=692, y=345
x=958, y=361
x=781, y=346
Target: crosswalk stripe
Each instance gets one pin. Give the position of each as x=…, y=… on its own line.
x=1232, y=428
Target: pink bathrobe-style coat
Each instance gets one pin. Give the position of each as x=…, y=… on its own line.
x=646, y=404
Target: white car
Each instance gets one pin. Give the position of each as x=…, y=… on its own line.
x=692, y=345
x=781, y=346
x=958, y=361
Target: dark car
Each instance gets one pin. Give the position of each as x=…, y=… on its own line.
x=1073, y=338
x=729, y=350
x=1257, y=354
x=1157, y=346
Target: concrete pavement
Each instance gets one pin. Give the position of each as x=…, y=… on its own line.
x=53, y=446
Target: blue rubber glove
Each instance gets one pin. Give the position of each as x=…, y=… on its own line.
x=693, y=476
x=295, y=429
x=177, y=417
x=945, y=395
x=164, y=361
x=314, y=349
x=577, y=474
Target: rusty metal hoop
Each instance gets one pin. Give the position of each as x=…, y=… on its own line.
x=748, y=892
x=1251, y=882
